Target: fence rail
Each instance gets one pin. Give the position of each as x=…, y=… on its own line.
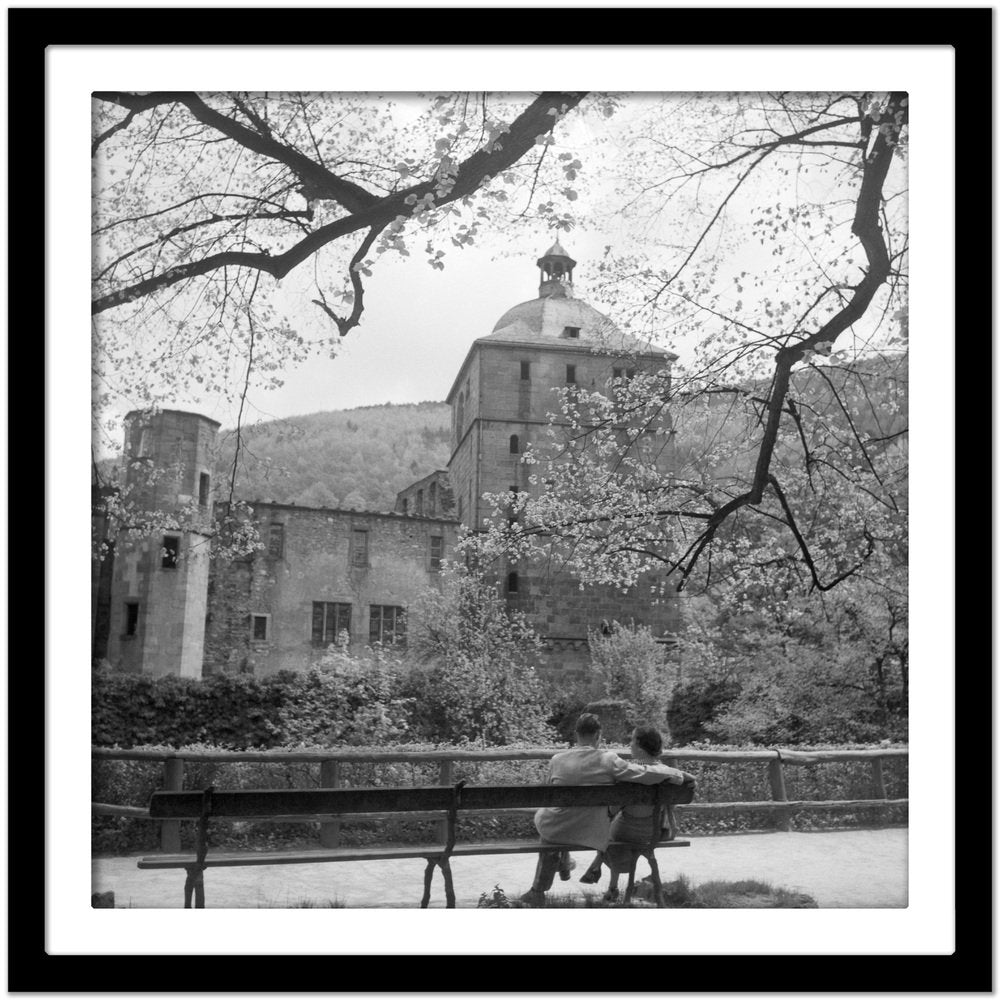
x=331, y=763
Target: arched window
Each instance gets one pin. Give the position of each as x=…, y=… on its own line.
x=512, y=583
x=432, y=497
x=420, y=501
x=515, y=445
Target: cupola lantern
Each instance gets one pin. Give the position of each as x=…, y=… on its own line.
x=557, y=273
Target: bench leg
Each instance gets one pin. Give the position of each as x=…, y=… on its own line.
x=654, y=869
x=194, y=885
x=630, y=888
x=449, y=885
x=428, y=878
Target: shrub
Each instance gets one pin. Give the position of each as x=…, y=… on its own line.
x=632, y=667
x=347, y=698
x=473, y=676
x=693, y=705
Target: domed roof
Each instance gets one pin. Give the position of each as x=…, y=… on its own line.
x=547, y=318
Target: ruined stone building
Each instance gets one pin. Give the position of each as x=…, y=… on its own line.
x=165, y=606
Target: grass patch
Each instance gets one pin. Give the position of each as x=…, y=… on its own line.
x=678, y=894
x=304, y=904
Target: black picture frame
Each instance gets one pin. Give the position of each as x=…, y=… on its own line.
x=30, y=968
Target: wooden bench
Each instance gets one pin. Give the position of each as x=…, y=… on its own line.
x=299, y=805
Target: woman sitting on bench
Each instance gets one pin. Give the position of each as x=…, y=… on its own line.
x=633, y=822
x=585, y=764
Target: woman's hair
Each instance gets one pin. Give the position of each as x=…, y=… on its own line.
x=588, y=724
x=649, y=739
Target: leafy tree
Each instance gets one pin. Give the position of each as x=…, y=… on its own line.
x=774, y=411
x=205, y=203
x=632, y=666
x=474, y=678
x=807, y=668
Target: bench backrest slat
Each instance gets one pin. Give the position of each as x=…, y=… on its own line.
x=335, y=801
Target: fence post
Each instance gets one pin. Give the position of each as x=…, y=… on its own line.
x=173, y=781
x=329, y=777
x=878, y=781
x=776, y=777
x=446, y=776
x=878, y=789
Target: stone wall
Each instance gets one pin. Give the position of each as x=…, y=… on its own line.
x=564, y=615
x=315, y=564
x=427, y=497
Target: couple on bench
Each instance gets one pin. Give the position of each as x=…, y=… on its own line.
x=587, y=764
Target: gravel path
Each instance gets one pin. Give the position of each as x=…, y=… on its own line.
x=846, y=868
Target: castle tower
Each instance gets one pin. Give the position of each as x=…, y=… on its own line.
x=500, y=404
x=160, y=586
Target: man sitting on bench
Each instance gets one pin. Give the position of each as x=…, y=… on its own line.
x=584, y=764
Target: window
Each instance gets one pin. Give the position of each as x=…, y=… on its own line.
x=276, y=540
x=406, y=506
x=203, y=483
x=387, y=624
x=171, y=551
x=258, y=628
x=571, y=332
x=512, y=583
x=131, y=617
x=359, y=547
x=515, y=445
x=420, y=501
x=432, y=496
x=571, y=374
x=525, y=371
x=437, y=551
x=329, y=620
x=616, y=372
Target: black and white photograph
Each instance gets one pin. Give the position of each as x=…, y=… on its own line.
x=453, y=450
x=500, y=498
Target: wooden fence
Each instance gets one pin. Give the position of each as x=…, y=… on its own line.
x=330, y=767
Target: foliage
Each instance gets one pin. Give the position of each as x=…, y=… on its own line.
x=190, y=266
x=361, y=457
x=632, y=666
x=677, y=894
x=823, y=668
x=474, y=675
x=233, y=711
x=327, y=459
x=693, y=705
x=469, y=676
x=343, y=701
x=496, y=899
x=347, y=698
x=707, y=473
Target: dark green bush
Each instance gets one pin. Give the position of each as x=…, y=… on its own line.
x=693, y=704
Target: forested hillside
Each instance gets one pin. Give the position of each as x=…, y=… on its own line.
x=357, y=458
